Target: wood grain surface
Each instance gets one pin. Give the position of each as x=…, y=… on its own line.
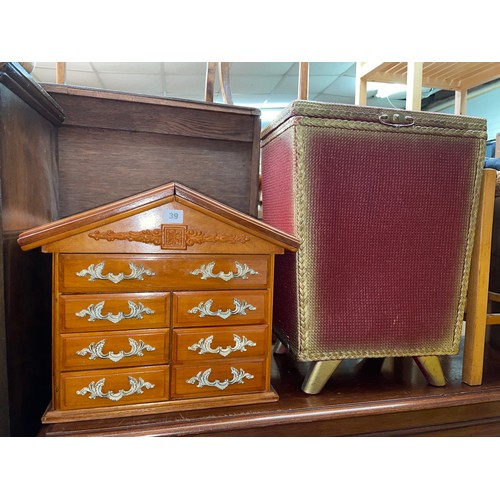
x=28, y=177
x=172, y=272
x=127, y=143
x=364, y=399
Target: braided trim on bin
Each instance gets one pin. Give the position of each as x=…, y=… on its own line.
x=300, y=222
x=312, y=355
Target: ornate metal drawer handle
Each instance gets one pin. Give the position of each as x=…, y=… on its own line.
x=95, y=389
x=94, y=312
x=206, y=271
x=204, y=345
x=95, y=273
x=202, y=379
x=95, y=350
x=204, y=309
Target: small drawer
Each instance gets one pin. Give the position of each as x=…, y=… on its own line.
x=98, y=388
x=218, y=379
x=122, y=273
x=114, y=350
x=81, y=313
x=104, y=273
x=194, y=345
x=224, y=271
x=220, y=308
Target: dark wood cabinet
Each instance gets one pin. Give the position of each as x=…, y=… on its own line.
x=29, y=119
x=115, y=144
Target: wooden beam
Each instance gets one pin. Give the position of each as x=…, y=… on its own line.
x=491, y=71
x=61, y=73
x=225, y=83
x=361, y=86
x=366, y=69
x=461, y=102
x=303, y=92
x=493, y=319
x=210, y=81
x=414, y=86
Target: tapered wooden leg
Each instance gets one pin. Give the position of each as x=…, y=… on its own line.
x=279, y=348
x=318, y=375
x=477, y=297
x=430, y=366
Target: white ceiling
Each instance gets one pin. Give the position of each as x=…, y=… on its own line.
x=268, y=86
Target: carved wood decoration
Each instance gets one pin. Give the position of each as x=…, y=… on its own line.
x=170, y=237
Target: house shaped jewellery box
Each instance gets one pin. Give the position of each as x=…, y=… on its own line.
x=161, y=301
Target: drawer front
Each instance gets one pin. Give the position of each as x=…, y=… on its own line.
x=98, y=388
x=114, y=350
x=192, y=345
x=104, y=273
x=220, y=308
x=218, y=379
x=81, y=313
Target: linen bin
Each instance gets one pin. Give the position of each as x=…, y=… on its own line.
x=384, y=203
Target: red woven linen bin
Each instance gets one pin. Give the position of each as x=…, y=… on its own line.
x=384, y=203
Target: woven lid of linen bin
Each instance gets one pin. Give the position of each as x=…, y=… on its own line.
x=397, y=117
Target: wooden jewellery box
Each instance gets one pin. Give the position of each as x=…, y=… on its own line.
x=161, y=302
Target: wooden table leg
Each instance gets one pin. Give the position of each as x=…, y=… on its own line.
x=477, y=298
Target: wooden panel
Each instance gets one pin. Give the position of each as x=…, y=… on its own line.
x=28, y=165
x=80, y=273
x=219, y=308
x=125, y=111
x=232, y=378
x=194, y=344
x=28, y=178
x=81, y=313
x=128, y=143
x=88, y=384
x=120, y=163
x=114, y=350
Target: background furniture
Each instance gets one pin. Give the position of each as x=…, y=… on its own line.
x=384, y=204
x=161, y=302
x=29, y=118
x=122, y=144
x=459, y=77
x=483, y=302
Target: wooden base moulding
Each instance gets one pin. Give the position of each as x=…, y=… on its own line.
x=52, y=416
